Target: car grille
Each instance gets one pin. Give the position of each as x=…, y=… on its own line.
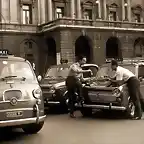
x=12, y=93
x=45, y=88
x=103, y=96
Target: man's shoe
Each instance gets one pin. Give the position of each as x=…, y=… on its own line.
x=137, y=118
x=72, y=116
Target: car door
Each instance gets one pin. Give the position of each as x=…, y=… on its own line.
x=141, y=78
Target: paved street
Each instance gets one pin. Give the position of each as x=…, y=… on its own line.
x=60, y=129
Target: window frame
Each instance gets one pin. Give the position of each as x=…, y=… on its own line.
x=89, y=14
x=62, y=13
x=27, y=13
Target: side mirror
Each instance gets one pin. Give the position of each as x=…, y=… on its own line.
x=39, y=78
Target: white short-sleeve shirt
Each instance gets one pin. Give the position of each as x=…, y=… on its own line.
x=123, y=74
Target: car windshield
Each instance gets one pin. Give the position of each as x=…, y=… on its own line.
x=106, y=71
x=57, y=72
x=16, y=69
x=103, y=71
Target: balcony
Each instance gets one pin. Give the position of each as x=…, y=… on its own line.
x=99, y=24
x=9, y=27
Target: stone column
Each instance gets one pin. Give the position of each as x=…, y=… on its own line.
x=43, y=12
x=72, y=9
x=5, y=12
x=50, y=15
x=104, y=9
x=99, y=8
x=78, y=9
x=39, y=11
x=129, y=10
x=123, y=10
x=14, y=11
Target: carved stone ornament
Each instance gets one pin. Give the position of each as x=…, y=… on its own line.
x=112, y=7
x=137, y=9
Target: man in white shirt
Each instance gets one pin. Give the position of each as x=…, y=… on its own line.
x=73, y=82
x=122, y=76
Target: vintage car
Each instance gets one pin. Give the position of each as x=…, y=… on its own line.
x=21, y=102
x=103, y=95
x=53, y=85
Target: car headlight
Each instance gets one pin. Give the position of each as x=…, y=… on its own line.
x=116, y=92
x=52, y=90
x=37, y=93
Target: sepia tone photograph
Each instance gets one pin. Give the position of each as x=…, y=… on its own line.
x=71, y=71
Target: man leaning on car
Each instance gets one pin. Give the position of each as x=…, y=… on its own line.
x=73, y=82
x=122, y=76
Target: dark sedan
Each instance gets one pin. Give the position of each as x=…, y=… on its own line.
x=53, y=84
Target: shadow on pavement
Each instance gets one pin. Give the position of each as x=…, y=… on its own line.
x=55, y=111
x=108, y=115
x=13, y=135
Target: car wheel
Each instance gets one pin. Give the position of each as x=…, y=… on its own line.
x=33, y=128
x=130, y=110
x=86, y=112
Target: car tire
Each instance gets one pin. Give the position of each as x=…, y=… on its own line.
x=86, y=112
x=33, y=128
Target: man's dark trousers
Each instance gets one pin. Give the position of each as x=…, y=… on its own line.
x=134, y=91
x=73, y=85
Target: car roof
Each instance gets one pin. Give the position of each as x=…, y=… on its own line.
x=11, y=58
x=61, y=65
x=69, y=64
x=129, y=61
x=94, y=65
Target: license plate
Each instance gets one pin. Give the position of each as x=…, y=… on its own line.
x=14, y=114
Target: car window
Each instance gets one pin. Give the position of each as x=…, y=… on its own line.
x=141, y=71
x=16, y=68
x=104, y=71
x=92, y=68
x=55, y=72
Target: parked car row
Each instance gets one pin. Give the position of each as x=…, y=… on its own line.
x=24, y=97
x=98, y=93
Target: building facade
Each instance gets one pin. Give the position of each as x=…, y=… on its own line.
x=44, y=31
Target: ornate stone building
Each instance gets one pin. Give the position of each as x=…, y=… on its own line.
x=44, y=31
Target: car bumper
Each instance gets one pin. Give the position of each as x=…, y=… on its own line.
x=109, y=107
x=21, y=121
x=51, y=102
